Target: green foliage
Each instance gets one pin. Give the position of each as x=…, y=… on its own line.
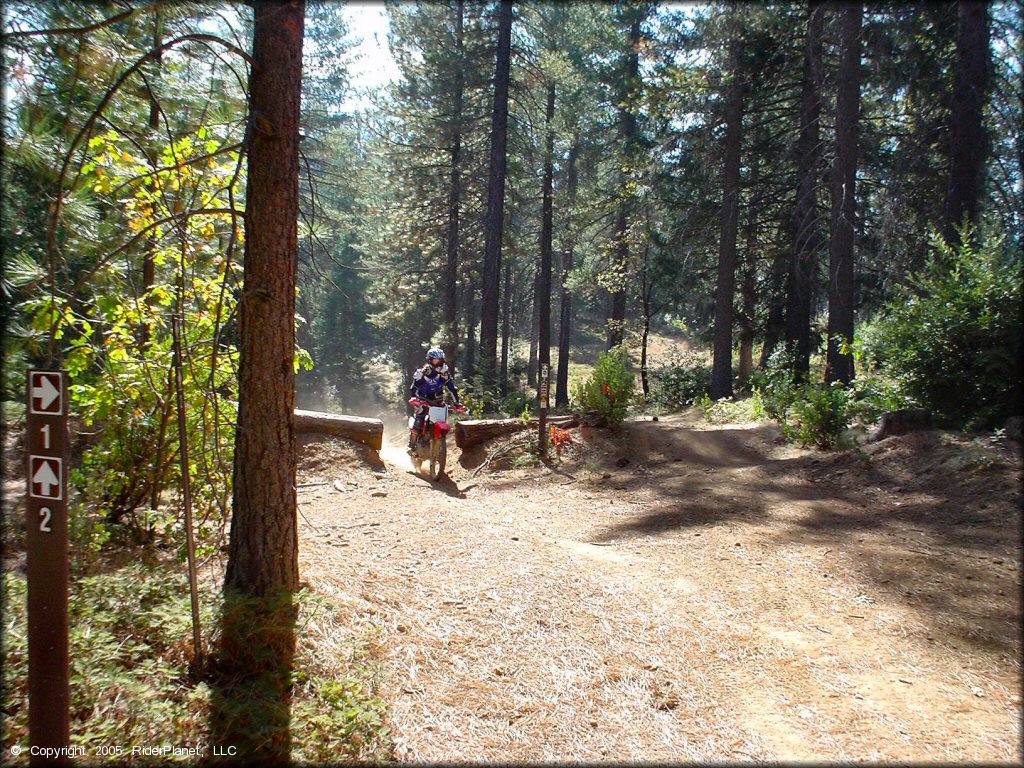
x=477, y=397
x=874, y=392
x=130, y=648
x=682, y=382
x=777, y=384
x=119, y=343
x=518, y=403
x=810, y=413
x=726, y=411
x=13, y=412
x=820, y=414
x=609, y=388
x=529, y=457
x=952, y=339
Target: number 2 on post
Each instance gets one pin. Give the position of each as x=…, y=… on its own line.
x=44, y=524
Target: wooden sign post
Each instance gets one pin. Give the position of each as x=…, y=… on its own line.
x=46, y=524
x=542, y=386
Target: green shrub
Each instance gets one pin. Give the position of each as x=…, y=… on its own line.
x=130, y=646
x=477, y=397
x=680, y=383
x=952, y=338
x=777, y=384
x=517, y=403
x=13, y=412
x=874, y=392
x=726, y=411
x=821, y=414
x=609, y=388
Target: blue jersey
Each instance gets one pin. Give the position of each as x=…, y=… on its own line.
x=428, y=383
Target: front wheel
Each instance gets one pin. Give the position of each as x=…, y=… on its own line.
x=438, y=456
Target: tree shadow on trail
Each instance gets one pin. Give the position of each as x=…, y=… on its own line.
x=250, y=675
x=948, y=552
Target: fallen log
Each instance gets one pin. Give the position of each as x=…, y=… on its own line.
x=473, y=431
x=358, y=428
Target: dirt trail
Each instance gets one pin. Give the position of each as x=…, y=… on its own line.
x=695, y=594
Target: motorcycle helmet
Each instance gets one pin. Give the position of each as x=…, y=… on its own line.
x=435, y=356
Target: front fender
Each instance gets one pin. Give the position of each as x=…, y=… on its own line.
x=441, y=428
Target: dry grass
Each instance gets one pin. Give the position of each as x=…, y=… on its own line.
x=681, y=594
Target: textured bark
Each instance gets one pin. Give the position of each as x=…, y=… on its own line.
x=471, y=337
x=646, y=294
x=565, y=310
x=149, y=257
x=149, y=267
x=506, y=325
x=543, y=298
x=748, y=287
x=358, y=428
x=472, y=432
x=454, y=194
x=627, y=139
x=263, y=551
x=494, y=220
x=531, y=360
x=748, y=300
x=775, y=323
x=721, y=367
x=903, y=422
x=841, y=295
x=968, y=141
x=807, y=240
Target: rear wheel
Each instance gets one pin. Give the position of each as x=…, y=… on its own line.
x=438, y=456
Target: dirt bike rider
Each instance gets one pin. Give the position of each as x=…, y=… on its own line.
x=428, y=383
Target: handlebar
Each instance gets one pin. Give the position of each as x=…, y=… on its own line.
x=416, y=402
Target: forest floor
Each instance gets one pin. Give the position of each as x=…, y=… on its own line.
x=683, y=592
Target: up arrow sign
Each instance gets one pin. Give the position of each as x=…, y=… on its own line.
x=44, y=478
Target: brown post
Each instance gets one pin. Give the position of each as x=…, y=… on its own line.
x=543, y=380
x=46, y=526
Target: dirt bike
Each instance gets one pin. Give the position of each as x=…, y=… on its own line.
x=432, y=443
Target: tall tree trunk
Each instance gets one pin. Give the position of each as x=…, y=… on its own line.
x=471, y=309
x=748, y=299
x=149, y=270
x=748, y=287
x=627, y=139
x=565, y=313
x=646, y=291
x=531, y=361
x=807, y=240
x=495, y=198
x=543, y=297
x=841, y=298
x=506, y=325
x=968, y=140
x=149, y=257
x=454, y=194
x=263, y=550
x=774, y=326
x=721, y=366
